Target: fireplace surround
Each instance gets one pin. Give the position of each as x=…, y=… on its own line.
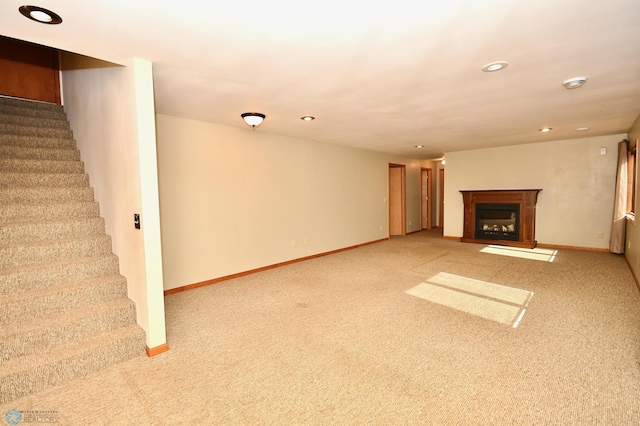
x=505, y=217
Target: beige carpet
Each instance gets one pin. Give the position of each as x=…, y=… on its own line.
x=338, y=340
x=503, y=304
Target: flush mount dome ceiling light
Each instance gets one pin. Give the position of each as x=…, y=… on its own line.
x=574, y=83
x=40, y=14
x=307, y=118
x=545, y=129
x=253, y=119
x=495, y=66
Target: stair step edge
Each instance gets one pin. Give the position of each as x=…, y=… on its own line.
x=64, y=318
x=18, y=297
x=21, y=365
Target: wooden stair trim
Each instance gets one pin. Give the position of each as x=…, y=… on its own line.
x=157, y=350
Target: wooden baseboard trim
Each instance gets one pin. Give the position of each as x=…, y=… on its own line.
x=559, y=247
x=549, y=246
x=157, y=350
x=264, y=268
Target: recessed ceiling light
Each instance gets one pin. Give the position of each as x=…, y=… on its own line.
x=583, y=129
x=307, y=118
x=574, y=83
x=419, y=146
x=545, y=129
x=495, y=66
x=40, y=14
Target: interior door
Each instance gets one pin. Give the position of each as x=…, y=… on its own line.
x=425, y=198
x=397, y=208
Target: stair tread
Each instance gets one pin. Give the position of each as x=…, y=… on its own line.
x=44, y=223
x=63, y=318
x=28, y=103
x=52, y=273
x=38, y=194
x=43, y=121
x=25, y=152
x=52, y=356
x=30, y=231
x=5, y=144
x=37, y=252
x=45, y=243
x=15, y=174
x=46, y=180
x=46, y=204
x=17, y=297
x=26, y=111
x=39, y=141
x=55, y=263
x=37, y=160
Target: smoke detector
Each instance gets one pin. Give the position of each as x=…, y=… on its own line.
x=574, y=83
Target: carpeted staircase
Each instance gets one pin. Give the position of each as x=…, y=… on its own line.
x=64, y=311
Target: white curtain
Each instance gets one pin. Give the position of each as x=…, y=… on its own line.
x=616, y=243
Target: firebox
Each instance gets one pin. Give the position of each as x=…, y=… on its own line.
x=497, y=221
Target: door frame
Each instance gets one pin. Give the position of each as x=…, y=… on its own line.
x=441, y=191
x=426, y=198
x=403, y=197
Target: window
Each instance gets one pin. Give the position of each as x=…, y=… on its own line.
x=631, y=176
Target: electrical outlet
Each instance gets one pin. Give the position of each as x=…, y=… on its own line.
x=600, y=234
x=293, y=243
x=306, y=241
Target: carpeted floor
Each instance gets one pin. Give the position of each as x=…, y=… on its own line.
x=338, y=340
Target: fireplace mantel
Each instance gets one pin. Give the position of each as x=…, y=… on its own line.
x=525, y=198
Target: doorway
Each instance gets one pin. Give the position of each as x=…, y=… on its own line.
x=397, y=199
x=426, y=177
x=441, y=192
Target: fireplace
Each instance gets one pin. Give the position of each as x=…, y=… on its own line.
x=496, y=221
x=506, y=217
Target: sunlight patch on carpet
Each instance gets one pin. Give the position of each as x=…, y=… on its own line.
x=494, y=302
x=543, y=255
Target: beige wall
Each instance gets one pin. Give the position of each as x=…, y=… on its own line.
x=233, y=200
x=632, y=248
x=577, y=182
x=111, y=112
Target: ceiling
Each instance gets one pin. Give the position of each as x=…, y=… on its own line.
x=385, y=76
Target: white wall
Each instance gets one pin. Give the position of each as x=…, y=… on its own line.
x=577, y=182
x=111, y=112
x=233, y=200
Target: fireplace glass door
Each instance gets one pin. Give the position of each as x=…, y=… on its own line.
x=497, y=221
